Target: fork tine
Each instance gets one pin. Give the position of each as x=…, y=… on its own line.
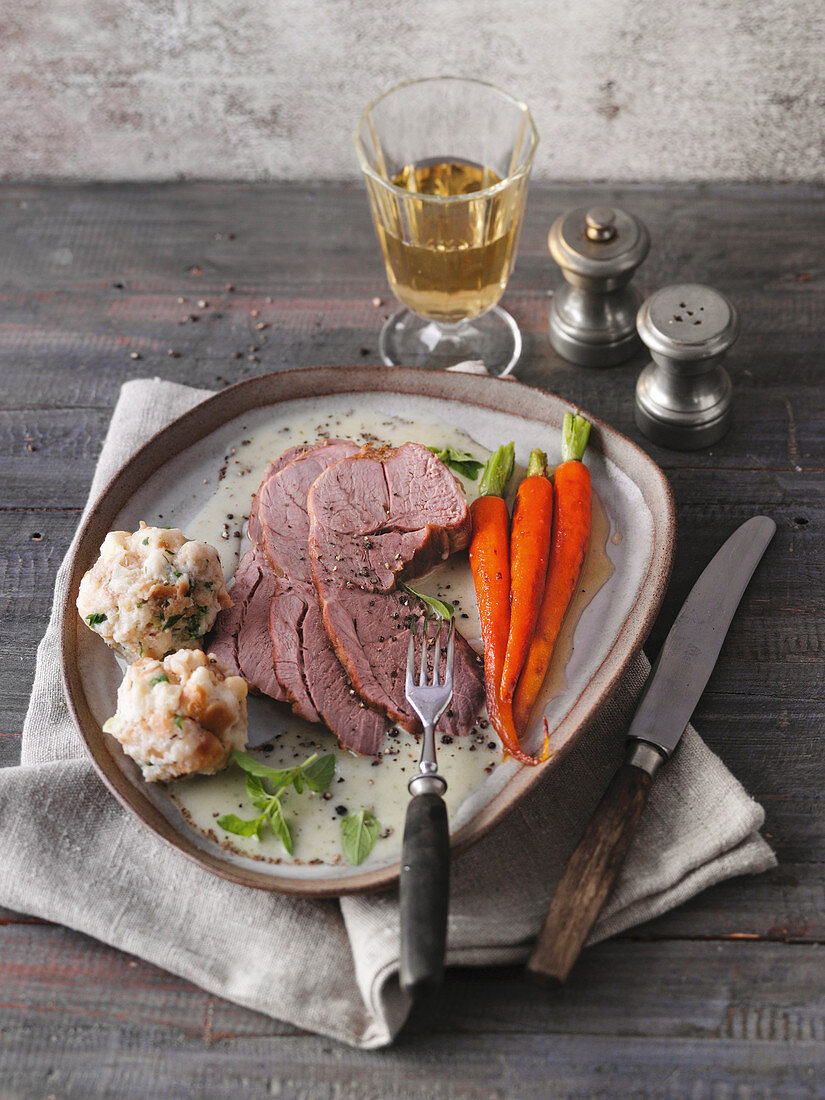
x=448, y=673
x=437, y=656
x=422, y=676
x=410, y=684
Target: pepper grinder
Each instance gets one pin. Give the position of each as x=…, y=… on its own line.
x=684, y=397
x=593, y=315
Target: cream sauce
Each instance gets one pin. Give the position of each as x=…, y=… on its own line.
x=361, y=782
x=379, y=784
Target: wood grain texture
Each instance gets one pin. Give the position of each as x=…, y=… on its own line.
x=721, y=997
x=590, y=875
x=699, y=1016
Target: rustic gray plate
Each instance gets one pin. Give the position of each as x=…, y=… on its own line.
x=610, y=632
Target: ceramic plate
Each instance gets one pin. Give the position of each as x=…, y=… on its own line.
x=173, y=478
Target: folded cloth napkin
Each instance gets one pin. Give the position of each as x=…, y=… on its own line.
x=71, y=854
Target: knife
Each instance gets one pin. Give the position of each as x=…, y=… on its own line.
x=670, y=695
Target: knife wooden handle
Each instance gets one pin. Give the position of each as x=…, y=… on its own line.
x=590, y=874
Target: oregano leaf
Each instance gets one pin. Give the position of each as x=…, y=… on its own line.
x=442, y=609
x=461, y=461
x=320, y=774
x=279, y=777
x=280, y=825
x=359, y=832
x=234, y=824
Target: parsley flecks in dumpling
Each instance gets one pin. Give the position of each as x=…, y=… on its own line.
x=152, y=592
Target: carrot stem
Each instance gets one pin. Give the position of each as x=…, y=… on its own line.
x=529, y=554
x=571, y=535
x=537, y=464
x=497, y=471
x=575, y=433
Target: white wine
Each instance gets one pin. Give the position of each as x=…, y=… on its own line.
x=448, y=261
x=445, y=177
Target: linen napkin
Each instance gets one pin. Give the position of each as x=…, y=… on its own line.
x=71, y=854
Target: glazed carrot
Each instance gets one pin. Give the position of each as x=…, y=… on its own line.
x=529, y=552
x=490, y=565
x=571, y=534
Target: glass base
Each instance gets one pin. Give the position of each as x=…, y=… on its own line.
x=408, y=340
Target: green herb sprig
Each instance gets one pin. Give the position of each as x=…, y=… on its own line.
x=461, y=461
x=359, y=832
x=316, y=773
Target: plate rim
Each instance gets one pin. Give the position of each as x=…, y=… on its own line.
x=507, y=396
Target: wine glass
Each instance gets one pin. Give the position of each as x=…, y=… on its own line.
x=446, y=163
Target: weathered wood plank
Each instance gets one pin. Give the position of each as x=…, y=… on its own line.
x=32, y=545
x=744, y=1012
x=93, y=274
x=787, y=903
x=444, y=1068
x=87, y=368
x=122, y=232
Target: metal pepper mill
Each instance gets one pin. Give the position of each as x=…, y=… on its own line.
x=593, y=316
x=684, y=397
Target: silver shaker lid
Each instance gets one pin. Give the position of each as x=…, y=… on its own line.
x=684, y=397
x=598, y=242
x=688, y=322
x=593, y=314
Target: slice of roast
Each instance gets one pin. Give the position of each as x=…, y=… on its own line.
x=282, y=524
x=305, y=663
x=240, y=636
x=376, y=520
x=277, y=464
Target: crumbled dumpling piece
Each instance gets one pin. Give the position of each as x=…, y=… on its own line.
x=179, y=716
x=153, y=592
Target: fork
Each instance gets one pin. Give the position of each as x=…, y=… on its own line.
x=425, y=852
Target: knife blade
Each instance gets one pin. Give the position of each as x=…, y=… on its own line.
x=691, y=649
x=671, y=692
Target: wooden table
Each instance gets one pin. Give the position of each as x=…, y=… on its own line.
x=723, y=997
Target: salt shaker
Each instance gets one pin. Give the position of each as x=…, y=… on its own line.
x=593, y=315
x=684, y=397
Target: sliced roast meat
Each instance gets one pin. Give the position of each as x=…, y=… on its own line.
x=282, y=521
x=372, y=631
x=305, y=663
x=273, y=468
x=357, y=726
x=283, y=530
x=386, y=514
x=240, y=637
x=376, y=520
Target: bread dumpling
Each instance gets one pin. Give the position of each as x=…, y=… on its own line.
x=153, y=592
x=180, y=716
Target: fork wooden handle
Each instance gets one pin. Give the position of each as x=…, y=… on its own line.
x=425, y=892
x=590, y=874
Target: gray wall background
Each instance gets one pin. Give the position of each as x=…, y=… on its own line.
x=620, y=89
